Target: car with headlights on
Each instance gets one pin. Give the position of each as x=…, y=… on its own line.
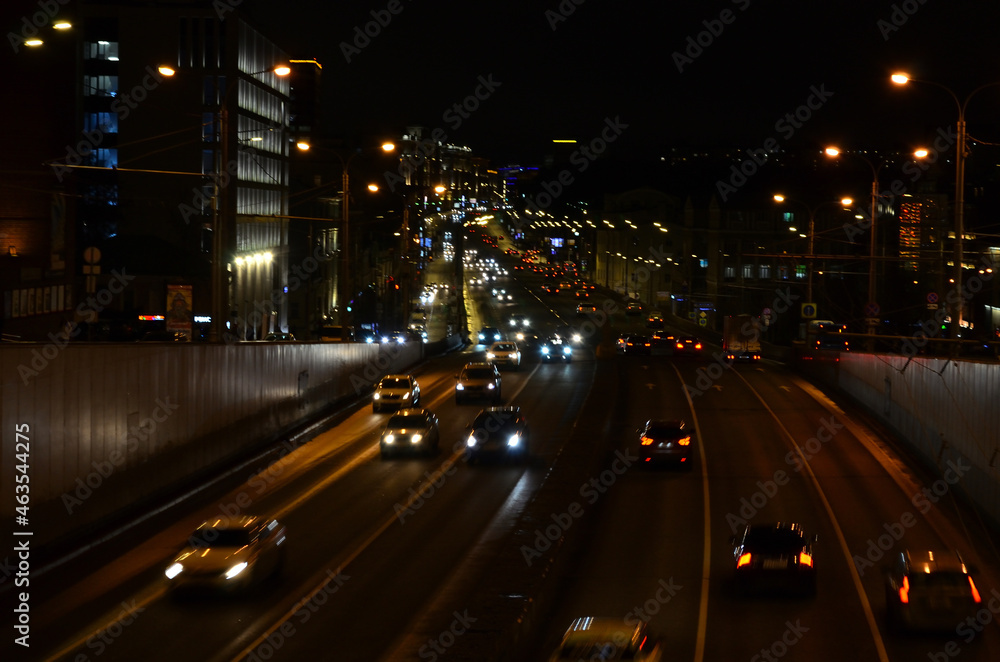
x=774, y=557
x=395, y=392
x=478, y=381
x=556, y=348
x=408, y=431
x=930, y=590
x=489, y=335
x=504, y=353
x=229, y=555
x=497, y=433
x=608, y=638
x=519, y=321
x=665, y=441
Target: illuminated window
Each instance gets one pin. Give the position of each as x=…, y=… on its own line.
x=800, y=271
x=100, y=86
x=748, y=271
x=101, y=50
x=765, y=271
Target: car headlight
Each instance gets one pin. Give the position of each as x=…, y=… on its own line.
x=491, y=386
x=406, y=396
x=471, y=441
x=389, y=438
x=459, y=387
x=415, y=439
x=173, y=570
x=496, y=336
x=236, y=569
x=545, y=350
x=385, y=338
x=567, y=350
x=577, y=337
x=482, y=336
x=514, y=440
x=490, y=355
x=376, y=396
x=369, y=340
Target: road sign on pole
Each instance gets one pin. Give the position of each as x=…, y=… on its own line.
x=808, y=311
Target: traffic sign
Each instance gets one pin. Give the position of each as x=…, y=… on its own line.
x=872, y=309
x=932, y=297
x=871, y=321
x=809, y=311
x=702, y=322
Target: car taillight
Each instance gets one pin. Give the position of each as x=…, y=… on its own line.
x=805, y=559
x=698, y=346
x=680, y=345
x=743, y=560
x=975, y=591
x=684, y=441
x=904, y=591
x=645, y=441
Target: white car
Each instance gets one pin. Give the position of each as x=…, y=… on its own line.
x=229, y=554
x=504, y=353
x=396, y=392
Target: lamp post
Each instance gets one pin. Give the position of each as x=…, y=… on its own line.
x=843, y=202
x=343, y=278
x=960, y=154
x=221, y=209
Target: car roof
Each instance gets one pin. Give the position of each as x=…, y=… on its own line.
x=590, y=629
x=679, y=424
x=397, y=377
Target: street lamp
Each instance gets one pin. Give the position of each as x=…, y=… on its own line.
x=221, y=210
x=960, y=154
x=843, y=202
x=343, y=279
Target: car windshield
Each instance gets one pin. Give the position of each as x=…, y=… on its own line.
x=212, y=537
x=506, y=347
x=478, y=373
x=495, y=420
x=394, y=382
x=773, y=541
x=397, y=422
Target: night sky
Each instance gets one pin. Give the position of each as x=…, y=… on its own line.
x=720, y=72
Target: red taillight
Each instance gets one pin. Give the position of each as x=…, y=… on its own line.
x=743, y=560
x=680, y=345
x=684, y=441
x=904, y=591
x=698, y=346
x=645, y=441
x=805, y=559
x=975, y=591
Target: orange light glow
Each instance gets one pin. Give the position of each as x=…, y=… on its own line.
x=646, y=441
x=684, y=441
x=975, y=591
x=806, y=559
x=904, y=591
x=744, y=560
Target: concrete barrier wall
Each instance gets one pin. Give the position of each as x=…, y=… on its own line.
x=946, y=410
x=110, y=426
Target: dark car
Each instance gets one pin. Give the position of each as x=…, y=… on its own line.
x=687, y=346
x=665, y=440
x=774, y=558
x=556, y=348
x=498, y=433
x=929, y=591
x=489, y=335
x=633, y=343
x=279, y=337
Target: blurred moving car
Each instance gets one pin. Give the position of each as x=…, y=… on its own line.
x=489, y=334
x=665, y=440
x=633, y=308
x=519, y=321
x=396, y=392
x=498, y=433
x=774, y=557
x=410, y=430
x=556, y=348
x=607, y=638
x=478, y=381
x=582, y=294
x=662, y=338
x=279, y=337
x=504, y=353
x=929, y=591
x=655, y=320
x=229, y=554
x=687, y=346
